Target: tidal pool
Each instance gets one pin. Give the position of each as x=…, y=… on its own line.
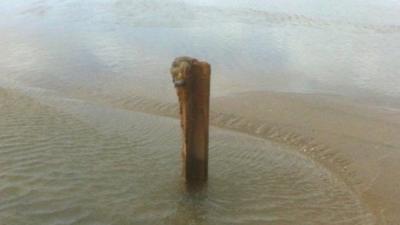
x=79, y=163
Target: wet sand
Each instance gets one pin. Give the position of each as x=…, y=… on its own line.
x=355, y=138
x=71, y=161
x=92, y=73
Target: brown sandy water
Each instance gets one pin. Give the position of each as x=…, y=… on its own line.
x=306, y=102
x=79, y=163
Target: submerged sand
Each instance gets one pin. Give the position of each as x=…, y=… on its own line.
x=356, y=138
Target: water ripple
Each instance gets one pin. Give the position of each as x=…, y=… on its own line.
x=89, y=164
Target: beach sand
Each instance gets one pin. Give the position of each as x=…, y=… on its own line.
x=355, y=138
x=116, y=54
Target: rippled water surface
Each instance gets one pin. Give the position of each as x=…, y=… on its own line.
x=69, y=155
x=96, y=165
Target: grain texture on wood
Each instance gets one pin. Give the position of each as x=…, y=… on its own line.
x=192, y=82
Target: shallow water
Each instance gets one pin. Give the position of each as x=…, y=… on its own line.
x=123, y=47
x=73, y=74
x=89, y=164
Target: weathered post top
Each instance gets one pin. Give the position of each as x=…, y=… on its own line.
x=191, y=78
x=180, y=70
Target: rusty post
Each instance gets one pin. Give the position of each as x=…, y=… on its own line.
x=192, y=82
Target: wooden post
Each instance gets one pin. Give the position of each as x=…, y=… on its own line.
x=192, y=82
